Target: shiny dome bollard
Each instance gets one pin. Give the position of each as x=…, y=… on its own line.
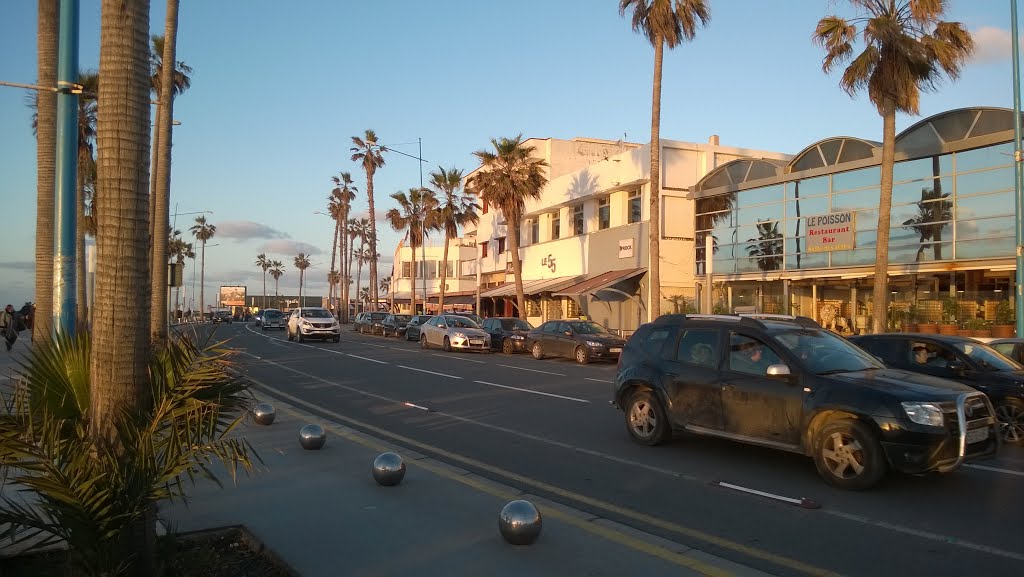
x=519, y=522
x=388, y=469
x=264, y=414
x=312, y=437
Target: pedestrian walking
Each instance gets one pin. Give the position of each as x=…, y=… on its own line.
x=9, y=326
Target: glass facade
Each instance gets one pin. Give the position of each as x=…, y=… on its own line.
x=945, y=207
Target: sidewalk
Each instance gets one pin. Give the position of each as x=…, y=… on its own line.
x=322, y=513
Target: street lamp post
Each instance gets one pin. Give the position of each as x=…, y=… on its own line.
x=1018, y=172
x=423, y=251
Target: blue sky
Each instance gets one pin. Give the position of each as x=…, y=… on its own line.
x=278, y=92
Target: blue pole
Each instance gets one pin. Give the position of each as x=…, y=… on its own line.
x=65, y=205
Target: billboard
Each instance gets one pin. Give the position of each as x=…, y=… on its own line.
x=232, y=296
x=828, y=232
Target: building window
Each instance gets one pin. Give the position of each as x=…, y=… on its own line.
x=483, y=250
x=635, y=208
x=501, y=245
x=556, y=226
x=535, y=231
x=578, y=227
x=483, y=204
x=604, y=214
x=406, y=269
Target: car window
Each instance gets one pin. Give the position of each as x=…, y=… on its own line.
x=699, y=347
x=488, y=325
x=823, y=352
x=750, y=355
x=985, y=357
x=401, y=318
x=551, y=327
x=515, y=325
x=461, y=323
x=1005, y=349
x=588, y=328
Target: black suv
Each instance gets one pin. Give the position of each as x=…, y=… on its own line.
x=786, y=383
x=961, y=359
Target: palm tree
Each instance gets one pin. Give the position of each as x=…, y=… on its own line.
x=766, y=249
x=46, y=165
x=179, y=250
x=119, y=366
x=415, y=216
x=302, y=263
x=203, y=231
x=509, y=175
x=341, y=203
x=362, y=229
x=934, y=211
x=361, y=255
x=663, y=23
x=455, y=209
x=276, y=271
x=364, y=296
x=907, y=48
x=385, y=285
x=264, y=263
x=370, y=154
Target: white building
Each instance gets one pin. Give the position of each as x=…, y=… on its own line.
x=460, y=281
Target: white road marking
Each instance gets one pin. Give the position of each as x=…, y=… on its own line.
x=457, y=358
x=420, y=407
x=364, y=358
x=532, y=370
x=805, y=503
x=533, y=392
x=599, y=380
x=996, y=470
x=373, y=345
x=404, y=350
x=428, y=372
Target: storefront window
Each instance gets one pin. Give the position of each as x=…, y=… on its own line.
x=807, y=187
x=984, y=182
x=988, y=157
x=752, y=214
x=761, y=195
x=985, y=228
x=855, y=179
x=868, y=198
x=987, y=205
x=921, y=189
x=807, y=207
x=989, y=247
x=929, y=167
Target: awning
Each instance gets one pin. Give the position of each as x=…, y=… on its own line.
x=531, y=287
x=600, y=282
x=454, y=299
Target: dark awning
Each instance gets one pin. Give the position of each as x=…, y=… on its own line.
x=600, y=282
x=457, y=299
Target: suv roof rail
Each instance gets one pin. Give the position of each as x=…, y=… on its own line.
x=746, y=318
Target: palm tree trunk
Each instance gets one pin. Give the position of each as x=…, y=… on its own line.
x=347, y=253
x=881, y=281
x=373, y=239
x=81, y=307
x=517, y=263
x=412, y=293
x=46, y=165
x=334, y=260
x=264, y=288
x=121, y=348
x=202, y=282
x=359, y=277
x=654, y=224
x=444, y=275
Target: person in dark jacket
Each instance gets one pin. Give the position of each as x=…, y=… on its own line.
x=9, y=326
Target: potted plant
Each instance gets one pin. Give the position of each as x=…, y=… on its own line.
x=928, y=328
x=950, y=313
x=1003, y=327
x=978, y=328
x=911, y=319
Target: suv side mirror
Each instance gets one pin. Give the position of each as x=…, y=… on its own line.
x=778, y=370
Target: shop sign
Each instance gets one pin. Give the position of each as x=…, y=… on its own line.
x=828, y=232
x=626, y=248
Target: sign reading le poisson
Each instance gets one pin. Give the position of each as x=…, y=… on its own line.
x=828, y=232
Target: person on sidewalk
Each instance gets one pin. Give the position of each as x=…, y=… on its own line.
x=9, y=326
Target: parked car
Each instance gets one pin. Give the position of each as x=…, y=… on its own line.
x=574, y=339
x=508, y=334
x=454, y=332
x=395, y=325
x=787, y=383
x=370, y=322
x=964, y=360
x=222, y=317
x=272, y=319
x=1013, y=348
x=313, y=323
x=412, y=328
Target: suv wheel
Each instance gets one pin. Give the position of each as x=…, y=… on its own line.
x=506, y=346
x=1011, y=421
x=537, y=351
x=646, y=420
x=848, y=455
x=581, y=356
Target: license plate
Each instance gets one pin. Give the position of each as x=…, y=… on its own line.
x=976, y=435
x=615, y=350
x=476, y=342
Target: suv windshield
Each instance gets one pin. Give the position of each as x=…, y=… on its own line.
x=823, y=353
x=588, y=328
x=315, y=313
x=515, y=325
x=271, y=314
x=986, y=357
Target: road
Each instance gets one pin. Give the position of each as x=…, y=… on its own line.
x=547, y=427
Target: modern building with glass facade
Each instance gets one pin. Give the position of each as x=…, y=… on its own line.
x=951, y=247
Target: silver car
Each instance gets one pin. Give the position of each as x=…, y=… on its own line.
x=313, y=323
x=454, y=332
x=272, y=319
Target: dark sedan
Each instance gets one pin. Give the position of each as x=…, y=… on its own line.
x=395, y=325
x=412, y=328
x=960, y=359
x=508, y=334
x=575, y=339
x=370, y=323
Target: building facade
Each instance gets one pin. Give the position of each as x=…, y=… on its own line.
x=460, y=281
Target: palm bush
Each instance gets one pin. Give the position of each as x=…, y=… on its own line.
x=78, y=489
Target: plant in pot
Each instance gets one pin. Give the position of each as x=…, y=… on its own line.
x=950, y=313
x=911, y=319
x=1003, y=327
x=897, y=318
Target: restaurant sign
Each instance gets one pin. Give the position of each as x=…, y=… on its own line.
x=828, y=232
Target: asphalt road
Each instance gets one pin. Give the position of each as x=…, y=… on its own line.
x=547, y=427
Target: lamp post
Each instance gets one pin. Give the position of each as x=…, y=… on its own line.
x=1018, y=172
x=423, y=251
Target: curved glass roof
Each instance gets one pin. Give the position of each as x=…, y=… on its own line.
x=944, y=128
x=741, y=170
x=830, y=151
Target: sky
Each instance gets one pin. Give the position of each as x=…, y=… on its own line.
x=278, y=92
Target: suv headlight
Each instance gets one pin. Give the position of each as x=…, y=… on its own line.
x=594, y=344
x=924, y=413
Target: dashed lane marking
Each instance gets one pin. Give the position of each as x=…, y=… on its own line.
x=533, y=392
x=428, y=372
x=458, y=358
x=996, y=470
x=365, y=358
x=531, y=370
x=599, y=380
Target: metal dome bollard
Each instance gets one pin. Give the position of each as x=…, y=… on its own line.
x=312, y=437
x=264, y=414
x=388, y=469
x=519, y=522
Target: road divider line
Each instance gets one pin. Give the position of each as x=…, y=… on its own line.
x=996, y=470
x=428, y=372
x=457, y=358
x=600, y=380
x=365, y=358
x=805, y=503
x=532, y=370
x=533, y=392
x=372, y=345
x=420, y=407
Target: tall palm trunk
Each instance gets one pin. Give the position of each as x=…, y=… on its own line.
x=373, y=241
x=881, y=281
x=202, y=282
x=334, y=259
x=359, y=275
x=121, y=348
x=444, y=275
x=412, y=293
x=517, y=263
x=162, y=187
x=46, y=165
x=264, y=288
x=347, y=255
x=654, y=224
x=81, y=306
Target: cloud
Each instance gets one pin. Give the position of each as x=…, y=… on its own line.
x=289, y=247
x=246, y=229
x=381, y=218
x=19, y=265
x=991, y=44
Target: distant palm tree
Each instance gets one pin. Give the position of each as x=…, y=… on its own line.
x=364, y=297
x=454, y=210
x=203, y=231
x=907, y=48
x=367, y=152
x=934, y=213
x=340, y=206
x=663, y=23
x=179, y=250
x=359, y=228
x=276, y=271
x=766, y=249
x=385, y=285
x=415, y=216
x=507, y=178
x=302, y=263
x=264, y=263
x=46, y=163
